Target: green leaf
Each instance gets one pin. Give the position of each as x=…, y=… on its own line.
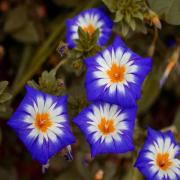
x=150, y=91
x=94, y=39
x=48, y=83
x=111, y=4
x=132, y=24
x=125, y=29
x=16, y=19
x=5, y=97
x=138, y=15
x=128, y=18
x=118, y=16
x=167, y=9
x=3, y=86
x=33, y=84
x=27, y=34
x=82, y=34
x=86, y=44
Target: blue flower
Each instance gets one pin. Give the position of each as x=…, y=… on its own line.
x=41, y=122
x=116, y=74
x=107, y=127
x=157, y=158
x=89, y=21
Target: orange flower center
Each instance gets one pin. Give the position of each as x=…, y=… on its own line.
x=106, y=126
x=163, y=162
x=42, y=121
x=89, y=29
x=116, y=73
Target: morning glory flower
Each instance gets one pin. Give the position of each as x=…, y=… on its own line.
x=107, y=127
x=89, y=20
x=116, y=74
x=41, y=122
x=157, y=158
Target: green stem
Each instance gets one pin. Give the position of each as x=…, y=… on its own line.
x=59, y=65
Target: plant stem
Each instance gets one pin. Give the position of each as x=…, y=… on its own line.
x=59, y=65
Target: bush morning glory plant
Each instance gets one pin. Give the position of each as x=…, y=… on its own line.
x=94, y=103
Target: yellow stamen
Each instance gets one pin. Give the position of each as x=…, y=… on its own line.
x=116, y=73
x=89, y=29
x=42, y=122
x=106, y=126
x=163, y=161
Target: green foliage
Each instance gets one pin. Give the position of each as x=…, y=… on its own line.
x=169, y=10
x=20, y=27
x=86, y=45
x=111, y=4
x=16, y=19
x=4, y=96
x=48, y=83
x=129, y=14
x=150, y=91
x=77, y=98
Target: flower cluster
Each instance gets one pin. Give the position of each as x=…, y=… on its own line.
x=113, y=85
